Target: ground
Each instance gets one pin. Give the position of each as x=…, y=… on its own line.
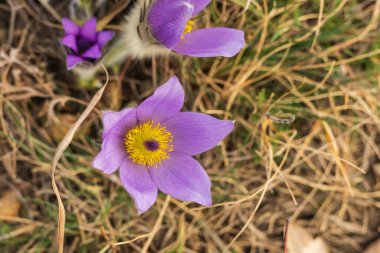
x=304, y=94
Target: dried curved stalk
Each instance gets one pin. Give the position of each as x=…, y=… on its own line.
x=58, y=153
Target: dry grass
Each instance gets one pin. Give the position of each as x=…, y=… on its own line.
x=316, y=60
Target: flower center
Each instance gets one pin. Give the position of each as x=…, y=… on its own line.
x=188, y=28
x=148, y=144
x=151, y=145
x=83, y=45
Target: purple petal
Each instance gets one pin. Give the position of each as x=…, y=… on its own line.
x=70, y=41
x=194, y=133
x=73, y=60
x=104, y=37
x=110, y=119
x=138, y=183
x=199, y=5
x=165, y=101
x=183, y=178
x=211, y=42
x=167, y=20
x=121, y=127
x=93, y=52
x=70, y=27
x=112, y=154
x=88, y=30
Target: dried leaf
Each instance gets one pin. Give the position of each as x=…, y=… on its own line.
x=9, y=204
x=299, y=240
x=376, y=168
x=57, y=156
x=374, y=247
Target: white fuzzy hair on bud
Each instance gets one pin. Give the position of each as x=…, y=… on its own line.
x=136, y=39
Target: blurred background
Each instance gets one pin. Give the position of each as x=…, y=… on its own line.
x=301, y=170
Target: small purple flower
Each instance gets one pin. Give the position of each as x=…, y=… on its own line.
x=152, y=145
x=171, y=25
x=85, y=44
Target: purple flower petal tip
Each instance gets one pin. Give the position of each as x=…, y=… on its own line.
x=70, y=27
x=211, y=42
x=88, y=30
x=132, y=136
x=70, y=42
x=104, y=37
x=165, y=101
x=191, y=140
x=111, y=156
x=183, y=178
x=138, y=183
x=84, y=43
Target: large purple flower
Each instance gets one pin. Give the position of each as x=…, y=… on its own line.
x=85, y=44
x=153, y=144
x=171, y=24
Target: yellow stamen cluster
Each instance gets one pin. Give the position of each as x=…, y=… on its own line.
x=188, y=28
x=136, y=144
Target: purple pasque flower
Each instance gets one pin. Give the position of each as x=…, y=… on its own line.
x=171, y=24
x=84, y=43
x=153, y=145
